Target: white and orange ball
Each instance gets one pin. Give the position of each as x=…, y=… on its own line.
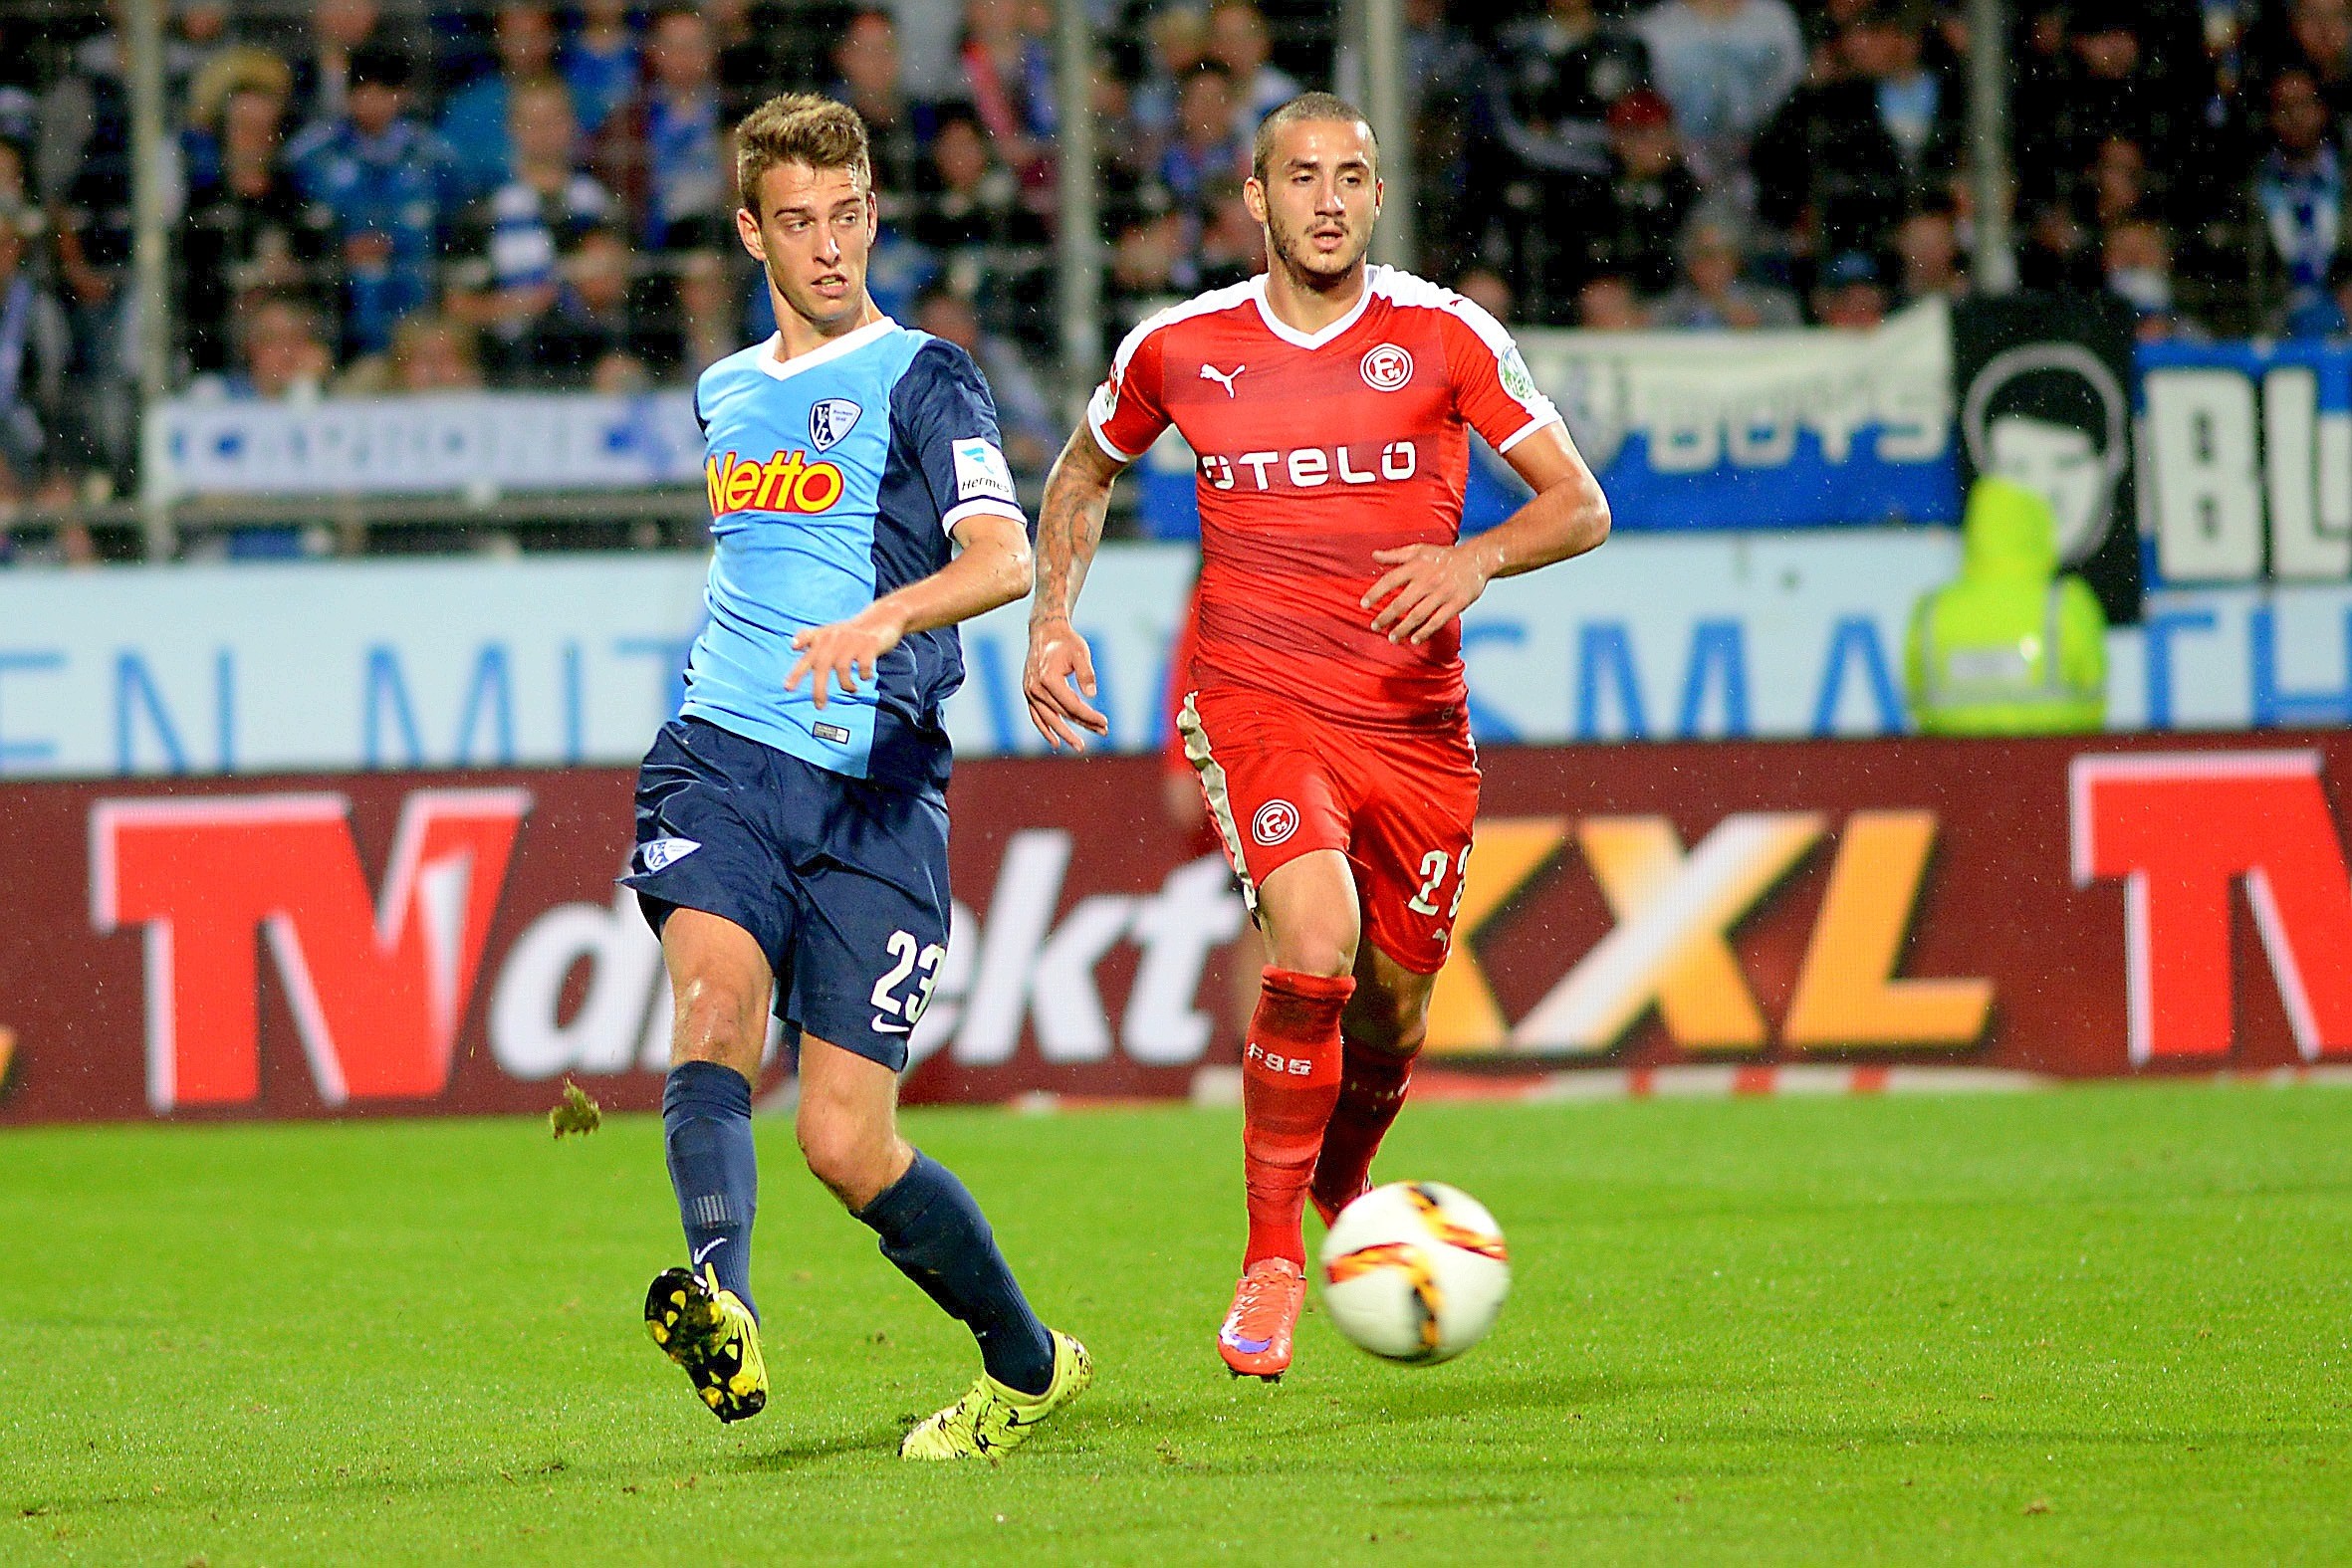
x=1415, y=1271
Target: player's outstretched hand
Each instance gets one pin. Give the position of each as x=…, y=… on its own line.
x=1430, y=584
x=843, y=652
x=1057, y=654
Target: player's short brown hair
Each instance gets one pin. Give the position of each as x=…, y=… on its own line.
x=799, y=128
x=1309, y=106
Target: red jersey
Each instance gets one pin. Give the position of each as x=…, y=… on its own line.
x=1316, y=450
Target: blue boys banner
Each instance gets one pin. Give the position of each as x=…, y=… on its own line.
x=1789, y=429
x=1715, y=430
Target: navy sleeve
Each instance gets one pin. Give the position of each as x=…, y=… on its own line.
x=944, y=413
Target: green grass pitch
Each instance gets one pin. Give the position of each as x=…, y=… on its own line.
x=2091, y=1325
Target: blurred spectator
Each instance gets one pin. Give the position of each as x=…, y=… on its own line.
x=2321, y=31
x=1032, y=433
x=620, y=375
x=971, y=198
x=1549, y=98
x=432, y=352
x=1237, y=42
x=2057, y=256
x=1928, y=247
x=663, y=150
x=2299, y=188
x=1918, y=108
x=224, y=73
x=507, y=277
x=196, y=33
x=709, y=312
x=323, y=73
x=1848, y=295
x=1713, y=295
x=1444, y=85
x=1555, y=79
x=1150, y=268
x=284, y=353
x=82, y=168
x=929, y=34
x=1609, y=303
x=600, y=63
x=755, y=58
x=2138, y=257
x=1206, y=147
x=866, y=63
x=21, y=85
x=16, y=188
x=38, y=427
x=2109, y=85
x=1828, y=172
x=388, y=186
x=1484, y=288
x=251, y=227
x=1233, y=242
x=1651, y=193
x=477, y=119
x=1176, y=45
x=1008, y=69
x=593, y=315
x=1725, y=66
x=2118, y=182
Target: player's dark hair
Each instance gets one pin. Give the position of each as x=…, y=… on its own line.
x=1309, y=106
x=799, y=128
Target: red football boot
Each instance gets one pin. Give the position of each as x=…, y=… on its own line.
x=1255, y=1339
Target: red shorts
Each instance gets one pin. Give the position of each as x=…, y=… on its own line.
x=1282, y=781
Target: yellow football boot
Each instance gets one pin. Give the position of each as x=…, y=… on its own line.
x=993, y=1420
x=713, y=1335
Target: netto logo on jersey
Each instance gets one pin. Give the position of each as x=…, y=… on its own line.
x=787, y=482
x=1312, y=466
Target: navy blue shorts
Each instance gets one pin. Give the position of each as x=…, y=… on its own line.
x=841, y=881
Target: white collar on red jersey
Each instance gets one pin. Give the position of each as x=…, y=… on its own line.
x=1300, y=340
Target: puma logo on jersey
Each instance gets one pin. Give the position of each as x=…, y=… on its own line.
x=1224, y=378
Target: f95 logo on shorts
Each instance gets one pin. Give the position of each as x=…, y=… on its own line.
x=1275, y=820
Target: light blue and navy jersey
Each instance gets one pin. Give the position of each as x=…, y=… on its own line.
x=834, y=478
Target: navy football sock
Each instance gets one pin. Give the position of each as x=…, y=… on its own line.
x=706, y=1119
x=936, y=1235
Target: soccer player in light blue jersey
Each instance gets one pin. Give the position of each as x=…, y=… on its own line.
x=792, y=821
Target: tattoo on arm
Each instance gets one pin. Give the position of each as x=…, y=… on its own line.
x=1070, y=523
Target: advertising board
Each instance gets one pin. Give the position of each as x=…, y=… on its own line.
x=360, y=666
x=423, y=943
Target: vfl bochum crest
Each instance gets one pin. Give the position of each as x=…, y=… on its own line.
x=829, y=419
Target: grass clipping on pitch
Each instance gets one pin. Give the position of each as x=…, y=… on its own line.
x=575, y=1113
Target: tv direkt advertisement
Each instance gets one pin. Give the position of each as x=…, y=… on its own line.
x=396, y=943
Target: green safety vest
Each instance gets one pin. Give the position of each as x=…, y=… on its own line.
x=1977, y=671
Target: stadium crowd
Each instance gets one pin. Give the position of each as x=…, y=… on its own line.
x=374, y=198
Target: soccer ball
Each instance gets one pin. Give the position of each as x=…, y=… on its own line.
x=1415, y=1271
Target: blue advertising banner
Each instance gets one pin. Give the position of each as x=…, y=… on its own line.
x=2246, y=471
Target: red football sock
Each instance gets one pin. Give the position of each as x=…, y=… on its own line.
x=1373, y=1086
x=1290, y=1083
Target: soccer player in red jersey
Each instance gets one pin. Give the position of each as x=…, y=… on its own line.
x=1329, y=405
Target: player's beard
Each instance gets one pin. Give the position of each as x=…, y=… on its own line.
x=1292, y=252
x=828, y=317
